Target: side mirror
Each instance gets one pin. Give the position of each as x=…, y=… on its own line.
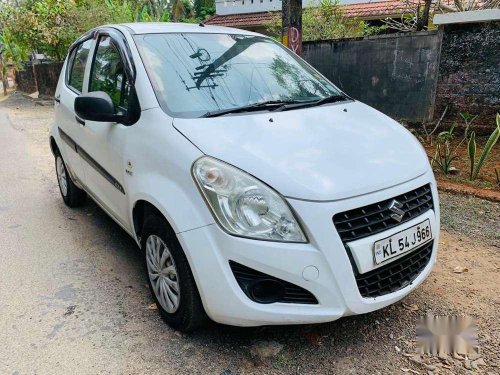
x=97, y=106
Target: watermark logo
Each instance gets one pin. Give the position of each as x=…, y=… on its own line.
x=440, y=335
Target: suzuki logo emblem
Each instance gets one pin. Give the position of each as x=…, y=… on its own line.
x=397, y=210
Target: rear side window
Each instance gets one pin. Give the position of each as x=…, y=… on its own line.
x=78, y=61
x=108, y=73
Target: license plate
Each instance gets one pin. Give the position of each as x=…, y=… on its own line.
x=402, y=242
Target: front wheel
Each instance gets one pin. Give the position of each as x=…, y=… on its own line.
x=170, y=278
x=71, y=194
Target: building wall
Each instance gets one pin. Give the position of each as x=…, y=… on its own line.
x=394, y=73
x=469, y=73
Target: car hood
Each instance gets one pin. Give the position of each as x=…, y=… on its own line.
x=321, y=153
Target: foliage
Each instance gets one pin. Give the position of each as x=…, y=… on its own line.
x=149, y=11
x=475, y=168
x=468, y=118
x=50, y=26
x=203, y=9
x=322, y=22
x=444, y=156
x=10, y=51
x=165, y=11
x=472, y=153
x=119, y=9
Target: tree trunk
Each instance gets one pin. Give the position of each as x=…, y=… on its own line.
x=4, y=80
x=34, y=73
x=4, y=84
x=423, y=21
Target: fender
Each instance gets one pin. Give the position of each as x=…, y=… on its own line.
x=182, y=211
x=158, y=161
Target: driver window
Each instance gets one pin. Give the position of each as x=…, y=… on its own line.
x=108, y=73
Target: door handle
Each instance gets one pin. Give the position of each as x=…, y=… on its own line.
x=57, y=99
x=80, y=121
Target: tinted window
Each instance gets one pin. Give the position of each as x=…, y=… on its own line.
x=78, y=61
x=196, y=73
x=108, y=73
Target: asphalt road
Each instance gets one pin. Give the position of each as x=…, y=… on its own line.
x=73, y=296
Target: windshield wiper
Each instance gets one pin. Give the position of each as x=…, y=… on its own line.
x=314, y=103
x=251, y=107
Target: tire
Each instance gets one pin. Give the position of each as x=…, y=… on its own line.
x=72, y=195
x=173, y=289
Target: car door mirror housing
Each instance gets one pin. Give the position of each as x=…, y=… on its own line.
x=97, y=106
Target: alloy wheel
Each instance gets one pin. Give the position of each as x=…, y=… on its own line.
x=162, y=273
x=61, y=176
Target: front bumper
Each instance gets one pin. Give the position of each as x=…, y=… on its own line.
x=209, y=251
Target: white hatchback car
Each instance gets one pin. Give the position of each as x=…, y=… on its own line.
x=259, y=193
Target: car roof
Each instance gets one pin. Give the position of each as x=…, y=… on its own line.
x=173, y=27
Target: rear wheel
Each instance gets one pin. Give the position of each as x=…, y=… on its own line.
x=170, y=278
x=71, y=194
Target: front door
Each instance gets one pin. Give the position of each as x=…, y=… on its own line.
x=103, y=143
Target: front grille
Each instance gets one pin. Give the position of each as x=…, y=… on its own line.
x=375, y=218
x=395, y=275
x=246, y=276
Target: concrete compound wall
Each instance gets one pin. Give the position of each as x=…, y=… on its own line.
x=25, y=80
x=469, y=73
x=394, y=73
x=47, y=75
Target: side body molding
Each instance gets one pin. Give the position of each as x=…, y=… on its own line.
x=91, y=161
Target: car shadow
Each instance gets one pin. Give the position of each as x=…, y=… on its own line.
x=301, y=342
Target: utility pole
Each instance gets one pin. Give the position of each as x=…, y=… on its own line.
x=291, y=32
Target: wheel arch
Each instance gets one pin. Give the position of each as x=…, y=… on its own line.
x=53, y=146
x=141, y=209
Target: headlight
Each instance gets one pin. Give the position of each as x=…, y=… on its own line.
x=243, y=205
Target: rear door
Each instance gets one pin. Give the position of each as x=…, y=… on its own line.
x=70, y=127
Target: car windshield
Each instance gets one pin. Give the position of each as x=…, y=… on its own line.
x=195, y=74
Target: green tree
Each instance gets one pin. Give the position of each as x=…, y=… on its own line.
x=203, y=9
x=10, y=53
x=150, y=10
x=50, y=26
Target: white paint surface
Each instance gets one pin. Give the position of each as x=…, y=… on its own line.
x=483, y=15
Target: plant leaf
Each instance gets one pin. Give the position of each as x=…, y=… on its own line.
x=472, y=153
x=487, y=148
x=464, y=115
x=452, y=128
